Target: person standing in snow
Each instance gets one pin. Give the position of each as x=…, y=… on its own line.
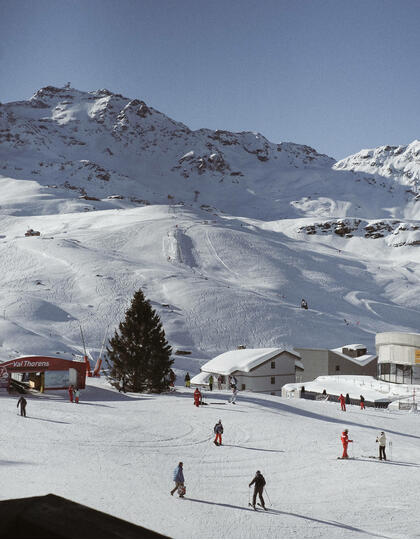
x=22, y=402
x=345, y=440
x=187, y=380
x=304, y=304
x=347, y=399
x=233, y=381
x=259, y=482
x=178, y=478
x=362, y=402
x=232, y=398
x=71, y=393
x=211, y=380
x=342, y=402
x=218, y=430
x=381, y=440
x=76, y=395
x=219, y=382
x=197, y=397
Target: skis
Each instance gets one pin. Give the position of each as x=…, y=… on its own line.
x=345, y=458
x=256, y=509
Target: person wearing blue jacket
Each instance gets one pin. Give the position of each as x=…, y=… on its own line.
x=178, y=478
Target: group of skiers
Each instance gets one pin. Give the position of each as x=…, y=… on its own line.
x=74, y=394
x=258, y=481
x=380, y=439
x=198, y=396
x=346, y=401
x=220, y=381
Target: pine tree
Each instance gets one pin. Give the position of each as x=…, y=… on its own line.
x=139, y=357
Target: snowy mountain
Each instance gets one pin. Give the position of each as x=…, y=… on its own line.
x=225, y=232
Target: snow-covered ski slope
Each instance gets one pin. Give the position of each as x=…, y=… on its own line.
x=117, y=453
x=225, y=232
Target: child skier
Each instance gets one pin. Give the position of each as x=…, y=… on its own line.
x=179, y=480
x=218, y=430
x=345, y=440
x=197, y=397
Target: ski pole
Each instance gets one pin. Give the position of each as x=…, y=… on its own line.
x=268, y=496
x=390, y=448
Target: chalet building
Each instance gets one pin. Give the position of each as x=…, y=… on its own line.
x=256, y=370
x=345, y=360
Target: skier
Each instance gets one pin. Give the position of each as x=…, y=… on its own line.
x=211, y=380
x=232, y=398
x=362, y=402
x=342, y=402
x=22, y=402
x=122, y=385
x=218, y=430
x=233, y=382
x=381, y=439
x=347, y=399
x=76, y=395
x=71, y=393
x=197, y=397
x=345, y=440
x=179, y=479
x=259, y=482
x=187, y=380
x=304, y=304
x=172, y=378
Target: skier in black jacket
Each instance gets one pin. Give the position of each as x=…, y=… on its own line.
x=22, y=402
x=259, y=482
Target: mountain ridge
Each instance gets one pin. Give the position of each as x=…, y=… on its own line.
x=225, y=232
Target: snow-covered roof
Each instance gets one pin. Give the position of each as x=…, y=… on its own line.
x=360, y=360
x=242, y=360
x=354, y=347
x=201, y=378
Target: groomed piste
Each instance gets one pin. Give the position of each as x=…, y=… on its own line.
x=116, y=452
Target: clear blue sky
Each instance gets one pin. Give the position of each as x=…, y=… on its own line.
x=339, y=75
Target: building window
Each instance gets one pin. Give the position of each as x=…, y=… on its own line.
x=337, y=368
x=273, y=380
x=242, y=386
x=273, y=365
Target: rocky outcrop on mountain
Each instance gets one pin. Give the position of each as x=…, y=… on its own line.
x=397, y=233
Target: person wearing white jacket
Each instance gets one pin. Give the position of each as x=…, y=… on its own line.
x=381, y=440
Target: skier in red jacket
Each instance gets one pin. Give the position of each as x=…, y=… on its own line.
x=343, y=402
x=197, y=397
x=345, y=440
